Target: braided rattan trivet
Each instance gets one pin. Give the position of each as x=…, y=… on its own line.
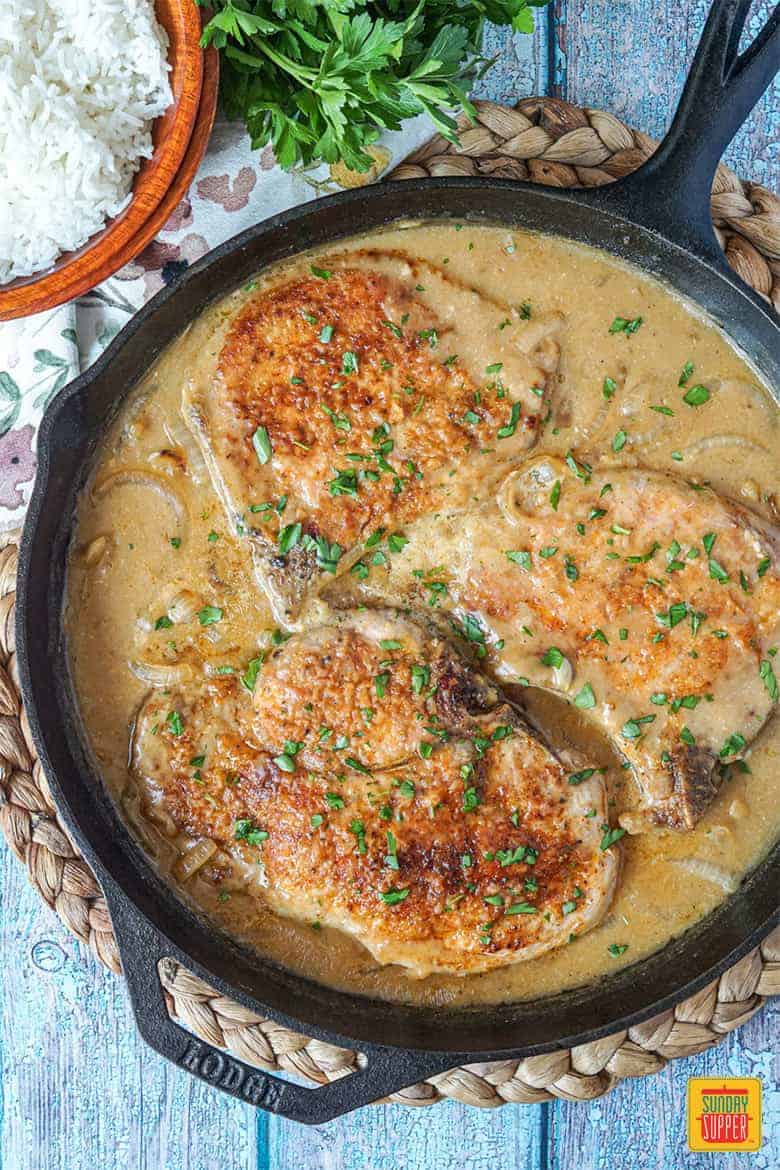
x=545, y=141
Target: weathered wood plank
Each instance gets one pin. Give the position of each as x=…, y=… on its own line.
x=80, y=1089
x=521, y=63
x=642, y=1123
x=448, y=1136
x=631, y=58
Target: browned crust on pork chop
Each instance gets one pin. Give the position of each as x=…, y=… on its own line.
x=465, y=854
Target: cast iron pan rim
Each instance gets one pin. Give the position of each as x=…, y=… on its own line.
x=47, y=432
x=716, y=266
x=357, y=1040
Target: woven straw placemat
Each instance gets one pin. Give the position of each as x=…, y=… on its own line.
x=545, y=141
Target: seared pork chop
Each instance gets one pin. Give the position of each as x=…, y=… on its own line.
x=369, y=391
x=650, y=603
x=384, y=787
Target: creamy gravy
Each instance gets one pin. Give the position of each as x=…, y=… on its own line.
x=146, y=537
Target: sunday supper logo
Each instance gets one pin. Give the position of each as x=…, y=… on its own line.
x=724, y=1115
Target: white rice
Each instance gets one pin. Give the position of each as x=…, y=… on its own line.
x=80, y=84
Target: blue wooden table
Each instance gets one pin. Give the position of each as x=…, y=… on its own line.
x=79, y=1091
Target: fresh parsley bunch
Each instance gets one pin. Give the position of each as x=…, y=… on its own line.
x=320, y=79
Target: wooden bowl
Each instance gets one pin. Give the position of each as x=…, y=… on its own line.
x=179, y=136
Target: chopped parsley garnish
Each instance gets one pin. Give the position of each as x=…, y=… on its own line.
x=209, y=615
x=717, y=572
x=617, y=949
x=610, y=836
x=673, y=616
x=521, y=558
x=328, y=555
x=619, y=441
x=349, y=362
x=322, y=273
x=553, y=657
x=421, y=676
x=392, y=851
x=767, y=676
x=344, y=483
x=359, y=830
x=581, y=470
x=393, y=896
x=578, y=777
x=585, y=699
x=262, y=445
x=697, y=617
x=246, y=830
x=285, y=761
x=340, y=421
x=175, y=723
x=696, y=396
x=163, y=623
x=632, y=728
x=555, y=495
x=626, y=325
x=609, y=388
x=289, y=537
x=521, y=908
x=396, y=542
x=509, y=429
x=685, y=373
x=645, y=557
x=733, y=745
x=472, y=631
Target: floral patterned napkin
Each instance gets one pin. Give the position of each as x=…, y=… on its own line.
x=234, y=188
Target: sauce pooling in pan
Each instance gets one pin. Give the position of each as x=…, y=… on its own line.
x=493, y=431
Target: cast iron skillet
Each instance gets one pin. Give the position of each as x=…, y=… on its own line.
x=658, y=219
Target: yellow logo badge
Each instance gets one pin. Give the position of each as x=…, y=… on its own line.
x=724, y=1114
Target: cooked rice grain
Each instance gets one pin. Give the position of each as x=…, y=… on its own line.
x=80, y=84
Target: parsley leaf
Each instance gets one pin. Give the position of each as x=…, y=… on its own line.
x=320, y=81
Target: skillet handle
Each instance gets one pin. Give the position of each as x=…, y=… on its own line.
x=382, y=1070
x=673, y=187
